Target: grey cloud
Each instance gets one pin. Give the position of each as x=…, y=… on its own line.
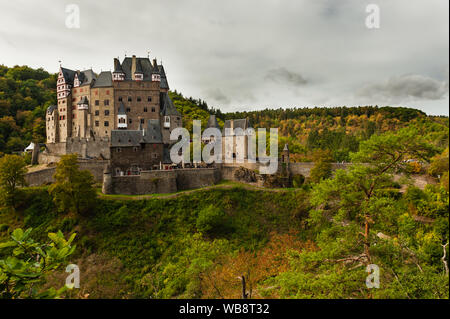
x=284, y=76
x=405, y=88
x=217, y=95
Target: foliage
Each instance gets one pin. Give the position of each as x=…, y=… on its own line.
x=12, y=175
x=73, y=188
x=25, y=94
x=25, y=263
x=298, y=180
x=211, y=220
x=322, y=166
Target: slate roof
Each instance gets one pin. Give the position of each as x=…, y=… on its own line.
x=84, y=100
x=144, y=64
x=149, y=135
x=212, y=122
x=51, y=108
x=117, y=66
x=104, y=80
x=163, y=84
x=138, y=67
x=167, y=106
x=237, y=123
x=86, y=77
x=68, y=75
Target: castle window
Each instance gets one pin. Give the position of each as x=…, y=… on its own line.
x=153, y=109
x=97, y=112
x=129, y=99
x=118, y=150
x=155, y=155
x=107, y=92
x=142, y=121
x=97, y=123
x=106, y=123
x=145, y=109
x=106, y=102
x=106, y=112
x=120, y=99
x=128, y=109
x=149, y=99
x=130, y=121
x=97, y=102
x=139, y=99
x=135, y=149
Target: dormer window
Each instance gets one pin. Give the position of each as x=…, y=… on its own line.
x=138, y=76
x=156, y=77
x=166, y=121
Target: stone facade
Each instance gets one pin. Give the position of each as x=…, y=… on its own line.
x=150, y=182
x=92, y=109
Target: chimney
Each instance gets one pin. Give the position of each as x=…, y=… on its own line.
x=133, y=66
x=154, y=63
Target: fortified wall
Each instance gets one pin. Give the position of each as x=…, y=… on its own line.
x=169, y=181
x=87, y=148
x=45, y=176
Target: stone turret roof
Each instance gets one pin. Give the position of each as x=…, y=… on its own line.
x=286, y=147
x=83, y=100
x=121, y=110
x=51, y=108
x=212, y=122
x=167, y=106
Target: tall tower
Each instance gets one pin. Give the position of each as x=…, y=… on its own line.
x=82, y=119
x=63, y=93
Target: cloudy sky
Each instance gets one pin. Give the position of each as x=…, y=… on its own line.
x=250, y=54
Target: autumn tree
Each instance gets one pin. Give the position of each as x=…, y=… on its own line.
x=322, y=165
x=12, y=175
x=73, y=188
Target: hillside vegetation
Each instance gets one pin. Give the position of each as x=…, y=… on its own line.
x=313, y=240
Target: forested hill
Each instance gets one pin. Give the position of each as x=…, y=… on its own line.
x=25, y=93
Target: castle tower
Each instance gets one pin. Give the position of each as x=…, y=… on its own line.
x=107, y=187
x=52, y=125
x=82, y=118
x=63, y=93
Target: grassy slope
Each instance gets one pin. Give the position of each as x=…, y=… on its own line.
x=123, y=240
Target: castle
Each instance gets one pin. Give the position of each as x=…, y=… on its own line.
x=119, y=123
x=125, y=116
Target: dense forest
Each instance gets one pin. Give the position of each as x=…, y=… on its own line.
x=312, y=240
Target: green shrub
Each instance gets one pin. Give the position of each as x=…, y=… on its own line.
x=211, y=220
x=298, y=180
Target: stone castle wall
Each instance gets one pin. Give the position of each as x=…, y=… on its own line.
x=45, y=176
x=85, y=148
x=170, y=181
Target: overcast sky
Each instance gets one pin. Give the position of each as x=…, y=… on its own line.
x=245, y=54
